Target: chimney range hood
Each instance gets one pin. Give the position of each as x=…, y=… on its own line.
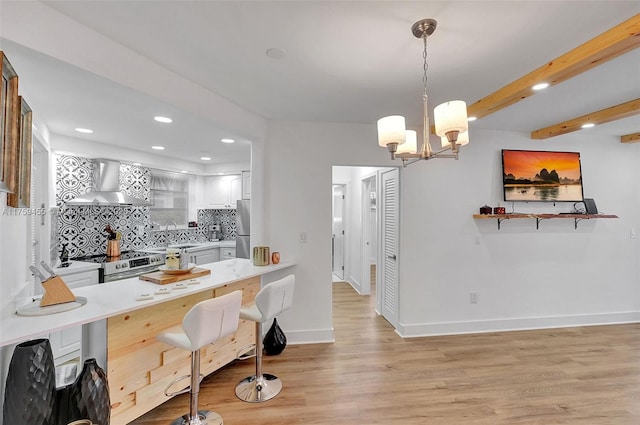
x=106, y=183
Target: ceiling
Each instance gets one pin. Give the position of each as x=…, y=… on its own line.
x=346, y=61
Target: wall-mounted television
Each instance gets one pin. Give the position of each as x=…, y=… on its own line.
x=530, y=176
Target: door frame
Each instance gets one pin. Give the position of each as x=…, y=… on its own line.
x=39, y=226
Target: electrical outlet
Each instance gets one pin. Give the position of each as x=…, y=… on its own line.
x=632, y=233
x=302, y=238
x=473, y=297
x=477, y=240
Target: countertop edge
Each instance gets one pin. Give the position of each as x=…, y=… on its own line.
x=115, y=298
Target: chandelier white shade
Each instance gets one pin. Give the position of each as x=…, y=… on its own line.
x=450, y=120
x=391, y=130
x=411, y=143
x=450, y=116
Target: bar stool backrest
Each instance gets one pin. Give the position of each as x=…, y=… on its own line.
x=212, y=319
x=275, y=297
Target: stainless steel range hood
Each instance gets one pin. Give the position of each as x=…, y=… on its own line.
x=106, y=183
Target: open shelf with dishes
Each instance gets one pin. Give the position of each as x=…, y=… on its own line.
x=539, y=217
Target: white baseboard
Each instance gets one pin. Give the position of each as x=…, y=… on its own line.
x=319, y=336
x=529, y=323
x=355, y=284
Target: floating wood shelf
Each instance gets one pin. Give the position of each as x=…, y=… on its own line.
x=539, y=217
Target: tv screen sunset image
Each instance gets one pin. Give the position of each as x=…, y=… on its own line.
x=541, y=176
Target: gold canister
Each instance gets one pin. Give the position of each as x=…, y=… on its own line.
x=113, y=248
x=260, y=255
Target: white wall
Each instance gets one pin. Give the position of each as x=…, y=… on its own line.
x=297, y=198
x=15, y=254
x=14, y=278
x=525, y=278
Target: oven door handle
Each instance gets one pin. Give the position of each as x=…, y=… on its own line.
x=130, y=273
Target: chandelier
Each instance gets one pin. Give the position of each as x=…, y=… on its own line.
x=450, y=120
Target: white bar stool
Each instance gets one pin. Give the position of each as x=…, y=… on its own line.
x=205, y=323
x=272, y=300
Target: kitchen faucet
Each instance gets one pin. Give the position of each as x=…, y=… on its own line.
x=166, y=230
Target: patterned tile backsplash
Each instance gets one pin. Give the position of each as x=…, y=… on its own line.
x=225, y=218
x=81, y=228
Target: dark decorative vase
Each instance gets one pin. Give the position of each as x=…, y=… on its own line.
x=275, y=340
x=30, y=390
x=66, y=410
x=90, y=394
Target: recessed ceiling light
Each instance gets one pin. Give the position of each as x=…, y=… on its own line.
x=165, y=120
x=205, y=158
x=227, y=140
x=183, y=172
x=84, y=130
x=136, y=164
x=588, y=125
x=220, y=174
x=469, y=119
x=158, y=148
x=540, y=86
x=276, y=53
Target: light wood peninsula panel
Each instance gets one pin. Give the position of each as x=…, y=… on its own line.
x=140, y=368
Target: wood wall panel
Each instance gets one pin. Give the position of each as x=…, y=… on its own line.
x=140, y=367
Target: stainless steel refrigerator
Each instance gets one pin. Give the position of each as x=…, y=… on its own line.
x=243, y=228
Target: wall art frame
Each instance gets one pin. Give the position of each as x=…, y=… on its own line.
x=24, y=158
x=9, y=136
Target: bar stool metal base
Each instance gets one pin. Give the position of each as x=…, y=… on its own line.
x=205, y=417
x=258, y=390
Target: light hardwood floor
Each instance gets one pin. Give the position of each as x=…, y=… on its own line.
x=585, y=376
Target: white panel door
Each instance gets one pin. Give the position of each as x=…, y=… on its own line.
x=389, y=260
x=338, y=230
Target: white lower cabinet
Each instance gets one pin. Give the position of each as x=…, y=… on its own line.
x=66, y=345
x=227, y=253
x=209, y=255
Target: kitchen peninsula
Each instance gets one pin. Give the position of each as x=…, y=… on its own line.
x=138, y=366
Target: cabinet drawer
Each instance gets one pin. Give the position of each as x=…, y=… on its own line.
x=226, y=253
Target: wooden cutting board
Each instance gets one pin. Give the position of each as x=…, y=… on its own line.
x=164, y=278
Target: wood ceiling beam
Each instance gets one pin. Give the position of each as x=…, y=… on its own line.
x=624, y=110
x=630, y=138
x=620, y=39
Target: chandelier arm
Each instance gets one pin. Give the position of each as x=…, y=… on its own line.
x=406, y=162
x=451, y=155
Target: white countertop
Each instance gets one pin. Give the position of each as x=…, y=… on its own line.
x=113, y=298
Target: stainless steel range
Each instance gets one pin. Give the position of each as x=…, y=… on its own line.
x=128, y=264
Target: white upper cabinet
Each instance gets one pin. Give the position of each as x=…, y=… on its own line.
x=221, y=192
x=246, y=185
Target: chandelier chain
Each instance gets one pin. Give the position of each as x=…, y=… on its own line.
x=425, y=66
